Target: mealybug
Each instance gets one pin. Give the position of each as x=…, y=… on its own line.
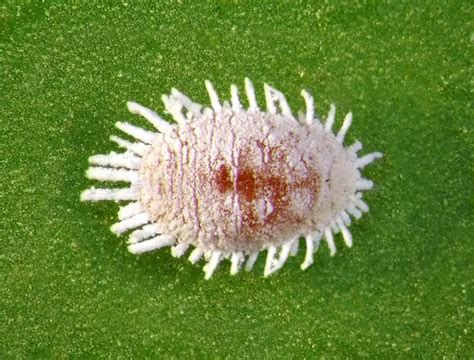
x=230, y=182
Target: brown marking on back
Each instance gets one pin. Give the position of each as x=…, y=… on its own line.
x=278, y=188
x=246, y=184
x=223, y=180
x=273, y=182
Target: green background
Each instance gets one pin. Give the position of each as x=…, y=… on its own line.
x=68, y=286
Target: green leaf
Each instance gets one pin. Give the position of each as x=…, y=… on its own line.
x=69, y=288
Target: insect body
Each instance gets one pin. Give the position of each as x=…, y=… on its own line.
x=230, y=182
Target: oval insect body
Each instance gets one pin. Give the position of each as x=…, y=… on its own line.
x=232, y=182
x=232, y=188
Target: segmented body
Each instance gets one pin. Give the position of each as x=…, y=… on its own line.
x=232, y=182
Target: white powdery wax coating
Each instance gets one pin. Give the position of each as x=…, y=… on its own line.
x=242, y=181
x=232, y=182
